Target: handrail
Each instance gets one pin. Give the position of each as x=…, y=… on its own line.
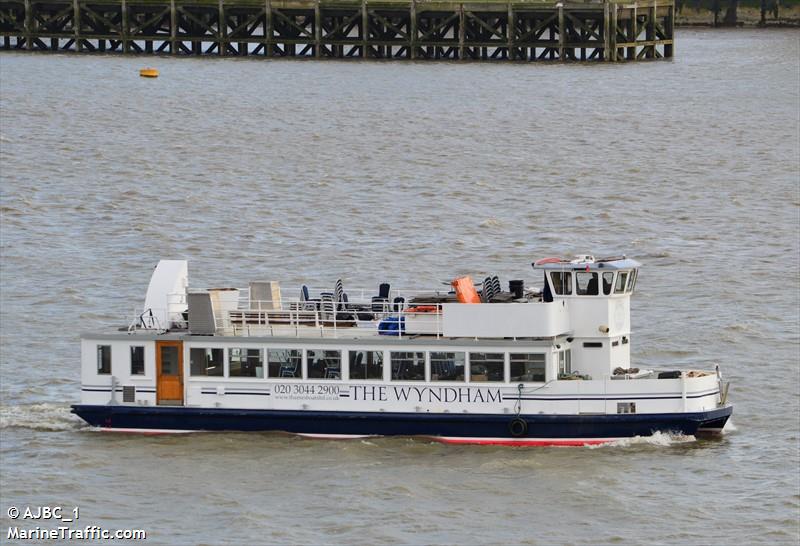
x=310, y=318
x=410, y=311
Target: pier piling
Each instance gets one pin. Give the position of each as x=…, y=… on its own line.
x=605, y=30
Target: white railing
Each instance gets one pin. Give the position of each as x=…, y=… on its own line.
x=404, y=312
x=323, y=316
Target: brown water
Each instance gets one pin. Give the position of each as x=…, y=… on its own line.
x=408, y=173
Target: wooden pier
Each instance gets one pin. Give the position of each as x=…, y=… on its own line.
x=375, y=29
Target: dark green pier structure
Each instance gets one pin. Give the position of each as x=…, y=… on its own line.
x=533, y=30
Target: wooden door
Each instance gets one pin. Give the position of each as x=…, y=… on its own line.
x=169, y=373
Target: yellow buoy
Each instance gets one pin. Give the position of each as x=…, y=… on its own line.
x=148, y=72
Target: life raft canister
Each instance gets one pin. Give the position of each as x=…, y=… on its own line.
x=465, y=290
x=518, y=427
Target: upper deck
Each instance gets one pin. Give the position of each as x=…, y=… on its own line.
x=593, y=291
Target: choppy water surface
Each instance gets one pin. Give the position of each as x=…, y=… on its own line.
x=408, y=173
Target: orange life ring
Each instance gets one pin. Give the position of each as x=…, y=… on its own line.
x=422, y=309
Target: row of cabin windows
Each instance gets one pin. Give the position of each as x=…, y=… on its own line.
x=104, y=359
x=364, y=365
x=588, y=283
x=367, y=365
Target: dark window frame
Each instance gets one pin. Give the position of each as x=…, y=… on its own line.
x=104, y=360
x=369, y=364
x=442, y=364
x=593, y=275
x=133, y=349
x=512, y=362
x=207, y=358
x=486, y=361
x=403, y=368
x=245, y=362
x=294, y=361
x=329, y=372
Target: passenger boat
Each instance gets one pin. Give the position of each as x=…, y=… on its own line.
x=469, y=363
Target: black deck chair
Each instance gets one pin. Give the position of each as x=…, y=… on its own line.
x=496, y=285
x=379, y=302
x=338, y=294
x=308, y=304
x=488, y=291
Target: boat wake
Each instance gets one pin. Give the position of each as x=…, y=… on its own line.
x=43, y=417
x=729, y=427
x=659, y=439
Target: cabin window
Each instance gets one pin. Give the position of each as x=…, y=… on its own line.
x=587, y=284
x=632, y=280
x=137, y=360
x=565, y=362
x=285, y=363
x=324, y=364
x=206, y=362
x=622, y=280
x=562, y=282
x=104, y=359
x=593, y=344
x=408, y=366
x=366, y=364
x=626, y=407
x=608, y=282
x=527, y=367
x=245, y=363
x=486, y=367
x=447, y=366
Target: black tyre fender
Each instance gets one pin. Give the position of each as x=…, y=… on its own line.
x=518, y=427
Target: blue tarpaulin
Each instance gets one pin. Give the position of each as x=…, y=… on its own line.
x=392, y=326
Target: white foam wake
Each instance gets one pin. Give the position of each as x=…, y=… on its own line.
x=729, y=427
x=45, y=416
x=659, y=439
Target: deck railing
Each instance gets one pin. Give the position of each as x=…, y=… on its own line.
x=326, y=314
x=403, y=312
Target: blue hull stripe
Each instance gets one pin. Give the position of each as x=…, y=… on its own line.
x=119, y=389
x=227, y=392
x=398, y=424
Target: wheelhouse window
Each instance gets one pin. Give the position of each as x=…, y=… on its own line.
x=245, y=363
x=447, y=366
x=622, y=280
x=206, y=362
x=562, y=282
x=586, y=284
x=366, y=364
x=527, y=367
x=324, y=364
x=408, y=366
x=608, y=282
x=104, y=359
x=137, y=360
x=285, y=363
x=565, y=362
x=632, y=280
x=486, y=367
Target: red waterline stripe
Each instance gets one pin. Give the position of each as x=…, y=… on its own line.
x=542, y=442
